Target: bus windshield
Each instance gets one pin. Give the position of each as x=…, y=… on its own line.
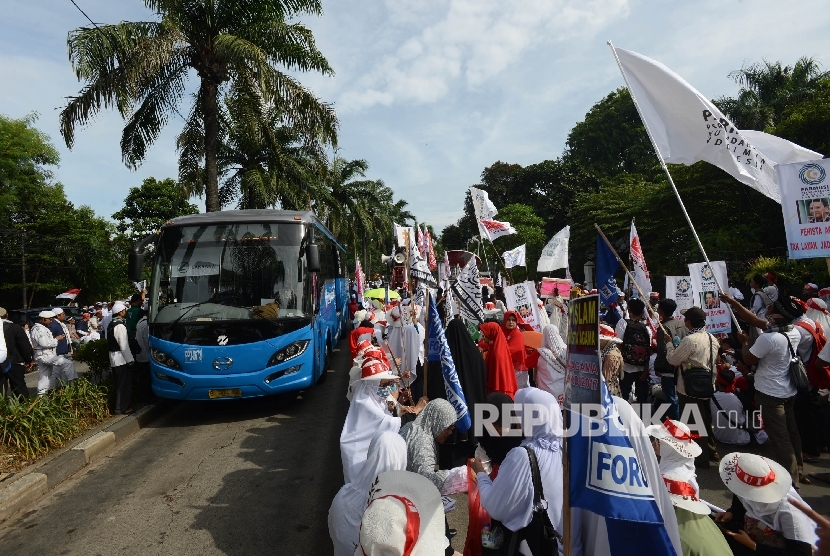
x=229, y=272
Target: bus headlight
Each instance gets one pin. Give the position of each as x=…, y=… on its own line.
x=163, y=359
x=289, y=352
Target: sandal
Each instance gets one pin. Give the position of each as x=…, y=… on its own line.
x=804, y=479
x=823, y=477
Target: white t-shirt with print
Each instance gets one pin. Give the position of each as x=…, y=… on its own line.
x=773, y=375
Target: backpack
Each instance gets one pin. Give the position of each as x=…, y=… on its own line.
x=636, y=345
x=818, y=371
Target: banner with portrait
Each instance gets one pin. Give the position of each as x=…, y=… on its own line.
x=522, y=299
x=805, y=202
x=705, y=294
x=679, y=288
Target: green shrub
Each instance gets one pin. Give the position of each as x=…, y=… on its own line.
x=96, y=356
x=31, y=427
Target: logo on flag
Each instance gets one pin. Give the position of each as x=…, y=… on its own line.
x=607, y=265
x=812, y=174
x=514, y=257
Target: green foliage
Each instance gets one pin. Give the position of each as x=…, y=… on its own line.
x=807, y=122
x=30, y=428
x=148, y=207
x=96, y=355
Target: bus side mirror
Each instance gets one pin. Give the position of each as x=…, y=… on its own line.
x=312, y=257
x=135, y=263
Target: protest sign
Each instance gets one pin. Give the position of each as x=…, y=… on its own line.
x=805, y=202
x=705, y=295
x=550, y=285
x=679, y=288
x=522, y=299
x=582, y=378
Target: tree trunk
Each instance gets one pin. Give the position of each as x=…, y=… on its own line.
x=211, y=120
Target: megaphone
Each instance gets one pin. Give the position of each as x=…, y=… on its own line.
x=386, y=259
x=399, y=258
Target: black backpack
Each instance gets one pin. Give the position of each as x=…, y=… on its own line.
x=636, y=345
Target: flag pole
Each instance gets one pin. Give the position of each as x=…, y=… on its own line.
x=631, y=279
x=426, y=347
x=668, y=175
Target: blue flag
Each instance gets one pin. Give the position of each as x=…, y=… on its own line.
x=452, y=387
x=607, y=479
x=607, y=265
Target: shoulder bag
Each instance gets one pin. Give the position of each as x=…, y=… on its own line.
x=698, y=381
x=798, y=375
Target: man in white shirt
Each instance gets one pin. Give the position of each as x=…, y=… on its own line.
x=50, y=365
x=121, y=359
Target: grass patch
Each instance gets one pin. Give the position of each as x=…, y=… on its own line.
x=30, y=427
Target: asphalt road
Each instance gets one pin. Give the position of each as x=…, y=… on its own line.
x=245, y=477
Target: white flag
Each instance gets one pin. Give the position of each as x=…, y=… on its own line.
x=638, y=262
x=555, y=253
x=493, y=229
x=405, y=235
x=688, y=128
x=514, y=257
x=484, y=209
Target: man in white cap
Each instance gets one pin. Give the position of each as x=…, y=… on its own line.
x=121, y=359
x=51, y=366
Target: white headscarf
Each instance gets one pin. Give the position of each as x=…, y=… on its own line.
x=818, y=315
x=784, y=517
x=421, y=448
x=387, y=452
x=510, y=497
x=550, y=372
x=676, y=467
x=368, y=414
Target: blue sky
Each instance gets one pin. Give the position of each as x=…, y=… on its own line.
x=429, y=92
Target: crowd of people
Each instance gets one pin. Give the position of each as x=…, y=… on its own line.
x=49, y=345
x=402, y=455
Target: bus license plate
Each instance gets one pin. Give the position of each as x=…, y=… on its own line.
x=229, y=393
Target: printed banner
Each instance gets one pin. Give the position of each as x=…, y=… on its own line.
x=555, y=253
x=419, y=268
x=582, y=377
x=679, y=288
x=522, y=299
x=205, y=261
x=551, y=285
x=467, y=291
x=514, y=257
x=805, y=202
x=705, y=295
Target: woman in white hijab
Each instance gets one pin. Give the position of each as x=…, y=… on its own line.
x=550, y=370
x=387, y=452
x=766, y=522
x=368, y=414
x=817, y=312
x=509, y=498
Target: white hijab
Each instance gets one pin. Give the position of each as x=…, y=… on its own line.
x=590, y=535
x=550, y=371
x=676, y=467
x=819, y=316
x=784, y=517
x=510, y=497
x=368, y=414
x=387, y=452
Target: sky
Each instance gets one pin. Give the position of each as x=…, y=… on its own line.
x=429, y=92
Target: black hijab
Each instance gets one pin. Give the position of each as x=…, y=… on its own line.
x=469, y=364
x=497, y=446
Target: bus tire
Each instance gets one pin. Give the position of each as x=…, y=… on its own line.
x=324, y=372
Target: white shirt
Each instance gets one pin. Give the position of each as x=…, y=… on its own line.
x=773, y=375
x=105, y=322
x=3, y=351
x=727, y=424
x=43, y=342
x=124, y=355
x=142, y=336
x=620, y=330
x=805, y=343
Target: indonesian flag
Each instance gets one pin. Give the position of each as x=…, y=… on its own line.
x=494, y=229
x=687, y=127
x=433, y=263
x=639, y=262
x=69, y=294
x=421, y=242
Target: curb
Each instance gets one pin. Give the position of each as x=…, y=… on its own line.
x=41, y=477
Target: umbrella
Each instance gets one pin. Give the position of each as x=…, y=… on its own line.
x=380, y=293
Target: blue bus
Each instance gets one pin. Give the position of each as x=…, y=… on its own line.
x=242, y=303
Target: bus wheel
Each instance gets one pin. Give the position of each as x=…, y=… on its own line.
x=324, y=373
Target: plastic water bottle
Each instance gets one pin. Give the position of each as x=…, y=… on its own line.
x=486, y=536
x=676, y=341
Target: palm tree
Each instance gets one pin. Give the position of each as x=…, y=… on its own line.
x=141, y=68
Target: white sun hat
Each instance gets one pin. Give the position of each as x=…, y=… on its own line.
x=683, y=495
x=608, y=333
x=405, y=517
x=755, y=478
x=677, y=436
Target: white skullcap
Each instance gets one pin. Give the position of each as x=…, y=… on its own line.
x=46, y=315
x=118, y=307
x=57, y=311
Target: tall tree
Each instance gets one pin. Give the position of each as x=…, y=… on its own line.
x=141, y=68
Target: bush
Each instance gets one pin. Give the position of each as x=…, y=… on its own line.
x=29, y=427
x=96, y=356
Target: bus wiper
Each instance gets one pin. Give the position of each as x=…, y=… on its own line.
x=180, y=317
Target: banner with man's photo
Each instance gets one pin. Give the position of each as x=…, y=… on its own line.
x=705, y=294
x=522, y=299
x=679, y=288
x=805, y=202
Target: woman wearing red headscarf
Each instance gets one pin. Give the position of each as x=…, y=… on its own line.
x=500, y=374
x=512, y=328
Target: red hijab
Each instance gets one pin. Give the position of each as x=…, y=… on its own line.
x=515, y=340
x=500, y=374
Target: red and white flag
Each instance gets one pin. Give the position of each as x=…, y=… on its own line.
x=433, y=263
x=494, y=229
x=69, y=294
x=421, y=242
x=638, y=263
x=359, y=280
